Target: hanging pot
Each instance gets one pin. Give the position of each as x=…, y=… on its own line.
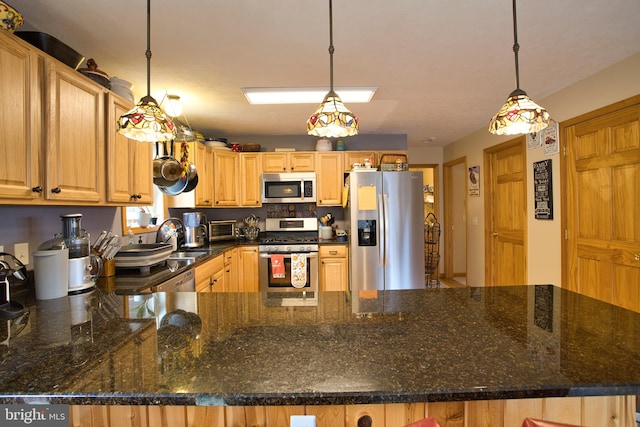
x=176, y=188
x=192, y=183
x=166, y=169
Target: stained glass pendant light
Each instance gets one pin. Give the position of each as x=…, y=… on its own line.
x=332, y=119
x=519, y=114
x=147, y=122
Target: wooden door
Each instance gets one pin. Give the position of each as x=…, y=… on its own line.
x=75, y=136
x=20, y=122
x=603, y=205
x=248, y=269
x=250, y=170
x=226, y=178
x=204, y=166
x=455, y=213
x=330, y=179
x=506, y=214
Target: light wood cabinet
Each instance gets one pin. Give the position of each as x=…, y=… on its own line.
x=21, y=174
x=75, y=137
x=129, y=162
x=330, y=179
x=231, y=270
x=209, y=277
x=203, y=159
x=351, y=157
x=294, y=161
x=250, y=171
x=248, y=269
x=226, y=179
x=334, y=267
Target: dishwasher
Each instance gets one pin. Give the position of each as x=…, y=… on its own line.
x=183, y=282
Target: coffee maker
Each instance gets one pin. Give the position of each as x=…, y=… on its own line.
x=81, y=262
x=195, y=229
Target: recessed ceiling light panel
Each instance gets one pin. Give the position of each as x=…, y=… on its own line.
x=305, y=95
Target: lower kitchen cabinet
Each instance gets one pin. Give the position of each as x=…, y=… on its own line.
x=248, y=269
x=334, y=267
x=595, y=410
x=210, y=275
x=231, y=270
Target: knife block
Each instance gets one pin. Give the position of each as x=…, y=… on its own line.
x=108, y=268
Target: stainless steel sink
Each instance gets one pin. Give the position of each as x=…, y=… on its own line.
x=187, y=255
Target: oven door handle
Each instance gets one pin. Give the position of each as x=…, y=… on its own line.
x=308, y=254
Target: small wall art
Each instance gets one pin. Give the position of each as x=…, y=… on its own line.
x=474, y=181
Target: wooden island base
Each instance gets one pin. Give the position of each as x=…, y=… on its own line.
x=601, y=411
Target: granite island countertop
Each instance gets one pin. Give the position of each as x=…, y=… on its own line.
x=390, y=347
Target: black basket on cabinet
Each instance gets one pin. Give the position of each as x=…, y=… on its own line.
x=431, y=251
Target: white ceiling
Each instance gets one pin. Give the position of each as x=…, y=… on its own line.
x=443, y=68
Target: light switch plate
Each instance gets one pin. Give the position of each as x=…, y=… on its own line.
x=303, y=421
x=21, y=251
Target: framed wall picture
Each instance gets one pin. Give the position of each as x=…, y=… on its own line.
x=549, y=136
x=474, y=181
x=543, y=189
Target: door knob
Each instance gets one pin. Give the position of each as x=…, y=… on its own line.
x=637, y=256
x=494, y=234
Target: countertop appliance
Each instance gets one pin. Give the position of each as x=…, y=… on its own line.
x=288, y=260
x=385, y=215
x=294, y=187
x=222, y=230
x=195, y=229
x=183, y=282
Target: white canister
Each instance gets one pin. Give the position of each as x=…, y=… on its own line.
x=326, y=232
x=51, y=273
x=324, y=144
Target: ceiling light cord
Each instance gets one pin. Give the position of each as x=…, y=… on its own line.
x=331, y=48
x=148, y=51
x=516, y=46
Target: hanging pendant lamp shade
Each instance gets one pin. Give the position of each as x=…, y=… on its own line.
x=519, y=114
x=146, y=121
x=332, y=119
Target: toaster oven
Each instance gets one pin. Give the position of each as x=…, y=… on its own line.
x=221, y=230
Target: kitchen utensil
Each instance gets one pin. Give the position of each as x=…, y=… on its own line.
x=100, y=239
x=51, y=273
x=178, y=187
x=193, y=182
x=166, y=169
x=251, y=220
x=251, y=233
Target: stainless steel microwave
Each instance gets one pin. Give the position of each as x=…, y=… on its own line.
x=298, y=187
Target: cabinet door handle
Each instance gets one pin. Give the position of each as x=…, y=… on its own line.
x=56, y=190
x=333, y=252
x=37, y=189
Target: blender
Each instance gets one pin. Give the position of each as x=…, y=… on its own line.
x=195, y=229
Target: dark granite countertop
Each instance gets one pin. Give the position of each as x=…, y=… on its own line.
x=245, y=349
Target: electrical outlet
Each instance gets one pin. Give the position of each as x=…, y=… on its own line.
x=1, y=248
x=21, y=251
x=302, y=421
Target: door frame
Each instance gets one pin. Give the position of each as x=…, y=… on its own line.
x=448, y=215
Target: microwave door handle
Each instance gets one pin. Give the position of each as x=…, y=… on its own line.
x=301, y=188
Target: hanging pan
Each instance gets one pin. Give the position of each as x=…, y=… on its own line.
x=166, y=169
x=193, y=178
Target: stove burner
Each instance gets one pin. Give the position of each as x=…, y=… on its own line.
x=285, y=239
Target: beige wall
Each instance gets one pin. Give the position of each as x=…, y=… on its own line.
x=613, y=84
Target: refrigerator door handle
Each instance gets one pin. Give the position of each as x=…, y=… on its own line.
x=381, y=225
x=385, y=231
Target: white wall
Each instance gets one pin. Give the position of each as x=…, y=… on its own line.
x=610, y=85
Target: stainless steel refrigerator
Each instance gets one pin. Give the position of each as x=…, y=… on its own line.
x=385, y=217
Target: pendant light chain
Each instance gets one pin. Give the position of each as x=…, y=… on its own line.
x=331, y=49
x=516, y=46
x=148, y=51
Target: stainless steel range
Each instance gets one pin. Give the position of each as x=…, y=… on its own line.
x=289, y=258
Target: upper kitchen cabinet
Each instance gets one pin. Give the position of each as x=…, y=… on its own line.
x=250, y=170
x=351, y=157
x=303, y=161
x=204, y=166
x=74, y=137
x=330, y=179
x=226, y=179
x=129, y=162
x=21, y=179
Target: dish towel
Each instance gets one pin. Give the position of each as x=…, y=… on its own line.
x=298, y=270
x=277, y=266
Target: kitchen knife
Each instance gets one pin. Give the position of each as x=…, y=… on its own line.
x=105, y=242
x=100, y=239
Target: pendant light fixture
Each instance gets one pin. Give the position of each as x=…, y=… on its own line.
x=147, y=122
x=332, y=119
x=519, y=114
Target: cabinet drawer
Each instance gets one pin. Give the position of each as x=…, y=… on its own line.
x=328, y=251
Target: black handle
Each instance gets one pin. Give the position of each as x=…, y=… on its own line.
x=37, y=189
x=56, y=190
